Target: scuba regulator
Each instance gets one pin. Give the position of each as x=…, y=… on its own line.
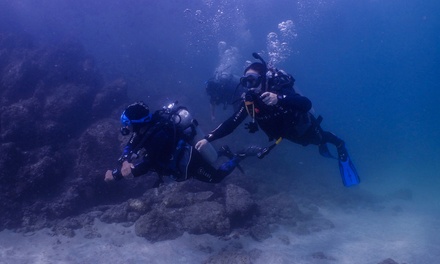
x=248, y=99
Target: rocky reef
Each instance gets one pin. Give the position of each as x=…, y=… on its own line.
x=59, y=135
x=58, y=131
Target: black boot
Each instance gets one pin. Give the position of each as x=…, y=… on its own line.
x=342, y=152
x=225, y=151
x=324, y=151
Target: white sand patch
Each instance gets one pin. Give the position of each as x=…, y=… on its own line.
x=117, y=244
x=362, y=237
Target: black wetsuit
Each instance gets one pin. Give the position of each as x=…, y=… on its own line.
x=224, y=92
x=165, y=150
x=289, y=118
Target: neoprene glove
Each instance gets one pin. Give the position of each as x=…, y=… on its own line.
x=269, y=98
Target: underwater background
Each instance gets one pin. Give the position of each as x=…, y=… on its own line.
x=371, y=69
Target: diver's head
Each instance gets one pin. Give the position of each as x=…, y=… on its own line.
x=134, y=116
x=279, y=79
x=224, y=77
x=254, y=77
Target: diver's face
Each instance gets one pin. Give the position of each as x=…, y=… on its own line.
x=252, y=80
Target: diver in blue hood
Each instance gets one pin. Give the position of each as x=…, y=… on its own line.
x=163, y=142
x=281, y=112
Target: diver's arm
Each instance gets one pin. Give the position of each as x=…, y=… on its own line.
x=119, y=174
x=128, y=149
x=229, y=125
x=294, y=100
x=124, y=160
x=128, y=170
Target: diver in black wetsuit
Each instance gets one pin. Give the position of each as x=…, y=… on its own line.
x=163, y=142
x=221, y=90
x=280, y=112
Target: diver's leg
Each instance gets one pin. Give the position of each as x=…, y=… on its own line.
x=203, y=171
x=347, y=169
x=328, y=137
x=317, y=136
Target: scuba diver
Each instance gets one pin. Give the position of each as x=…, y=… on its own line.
x=281, y=112
x=163, y=142
x=222, y=90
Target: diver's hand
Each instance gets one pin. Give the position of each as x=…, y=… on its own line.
x=200, y=144
x=269, y=98
x=126, y=169
x=108, y=176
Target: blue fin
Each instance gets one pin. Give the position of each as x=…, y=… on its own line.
x=348, y=173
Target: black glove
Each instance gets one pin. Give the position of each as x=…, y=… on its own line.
x=251, y=126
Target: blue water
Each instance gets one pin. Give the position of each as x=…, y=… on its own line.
x=371, y=69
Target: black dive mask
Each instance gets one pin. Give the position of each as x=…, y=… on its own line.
x=251, y=80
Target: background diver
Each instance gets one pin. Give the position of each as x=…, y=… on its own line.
x=281, y=112
x=163, y=142
x=222, y=91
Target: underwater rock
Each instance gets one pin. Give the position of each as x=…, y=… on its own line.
x=239, y=205
x=154, y=226
x=68, y=225
x=243, y=181
x=132, y=217
x=138, y=205
x=260, y=232
x=203, y=218
x=109, y=99
x=281, y=209
x=234, y=256
x=388, y=261
x=47, y=95
x=182, y=199
x=116, y=214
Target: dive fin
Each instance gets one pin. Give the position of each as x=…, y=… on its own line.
x=226, y=151
x=349, y=174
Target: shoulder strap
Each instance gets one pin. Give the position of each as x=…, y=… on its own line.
x=161, y=123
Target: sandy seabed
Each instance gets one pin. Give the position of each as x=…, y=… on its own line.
x=361, y=237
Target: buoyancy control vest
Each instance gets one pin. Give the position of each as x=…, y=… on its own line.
x=189, y=127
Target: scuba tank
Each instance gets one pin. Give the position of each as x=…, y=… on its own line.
x=189, y=126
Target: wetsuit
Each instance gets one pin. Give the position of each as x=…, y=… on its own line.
x=289, y=118
x=223, y=92
x=165, y=150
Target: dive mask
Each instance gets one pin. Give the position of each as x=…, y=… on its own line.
x=127, y=123
x=251, y=80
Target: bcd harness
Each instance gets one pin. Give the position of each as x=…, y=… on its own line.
x=253, y=127
x=169, y=117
